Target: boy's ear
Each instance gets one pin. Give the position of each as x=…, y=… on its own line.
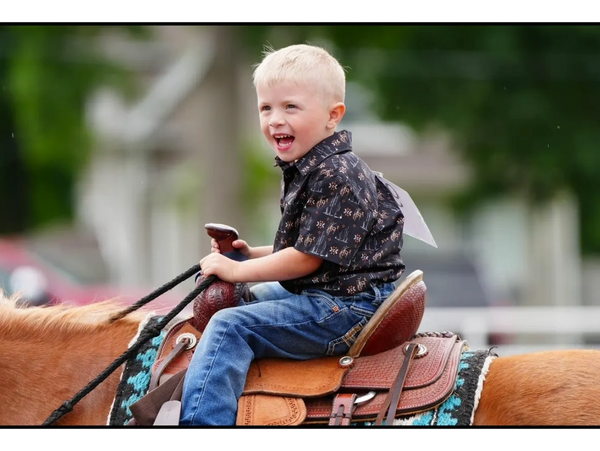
x=336, y=114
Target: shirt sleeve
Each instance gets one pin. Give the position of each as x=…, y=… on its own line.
x=336, y=219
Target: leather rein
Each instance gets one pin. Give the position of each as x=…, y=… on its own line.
x=145, y=335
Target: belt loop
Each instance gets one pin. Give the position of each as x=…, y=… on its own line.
x=377, y=294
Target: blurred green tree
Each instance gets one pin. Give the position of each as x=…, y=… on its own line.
x=520, y=100
x=46, y=75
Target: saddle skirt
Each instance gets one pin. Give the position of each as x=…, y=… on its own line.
x=310, y=390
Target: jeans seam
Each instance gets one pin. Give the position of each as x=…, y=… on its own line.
x=208, y=372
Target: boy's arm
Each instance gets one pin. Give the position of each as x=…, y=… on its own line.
x=261, y=251
x=283, y=265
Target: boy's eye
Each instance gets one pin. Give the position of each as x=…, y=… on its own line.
x=265, y=108
x=291, y=106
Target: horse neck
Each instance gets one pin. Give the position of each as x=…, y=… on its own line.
x=42, y=368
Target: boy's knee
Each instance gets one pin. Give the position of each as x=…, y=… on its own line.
x=225, y=317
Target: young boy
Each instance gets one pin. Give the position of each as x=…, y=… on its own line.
x=336, y=252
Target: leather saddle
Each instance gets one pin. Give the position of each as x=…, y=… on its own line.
x=390, y=371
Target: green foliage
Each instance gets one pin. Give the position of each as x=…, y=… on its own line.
x=260, y=179
x=521, y=100
x=48, y=73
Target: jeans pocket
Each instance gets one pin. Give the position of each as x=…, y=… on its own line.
x=342, y=345
x=367, y=303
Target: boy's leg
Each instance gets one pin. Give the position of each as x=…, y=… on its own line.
x=298, y=327
x=269, y=291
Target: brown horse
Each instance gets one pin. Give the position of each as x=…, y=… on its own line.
x=47, y=354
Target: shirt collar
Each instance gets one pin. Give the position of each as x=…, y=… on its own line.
x=337, y=143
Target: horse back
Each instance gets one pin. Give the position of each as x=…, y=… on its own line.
x=542, y=388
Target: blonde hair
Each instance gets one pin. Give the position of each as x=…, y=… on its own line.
x=302, y=63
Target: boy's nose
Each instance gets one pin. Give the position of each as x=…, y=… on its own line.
x=275, y=121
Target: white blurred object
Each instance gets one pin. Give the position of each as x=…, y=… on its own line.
x=30, y=282
x=414, y=224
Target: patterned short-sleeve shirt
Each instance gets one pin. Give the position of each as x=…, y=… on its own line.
x=334, y=207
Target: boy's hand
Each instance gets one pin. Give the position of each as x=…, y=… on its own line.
x=240, y=245
x=219, y=265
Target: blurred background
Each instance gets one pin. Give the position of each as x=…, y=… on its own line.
x=118, y=143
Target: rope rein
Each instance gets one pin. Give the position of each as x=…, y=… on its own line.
x=145, y=335
x=156, y=293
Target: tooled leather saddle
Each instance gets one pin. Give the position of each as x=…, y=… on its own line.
x=389, y=372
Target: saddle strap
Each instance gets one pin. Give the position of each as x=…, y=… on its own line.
x=157, y=373
x=393, y=395
x=171, y=358
x=343, y=405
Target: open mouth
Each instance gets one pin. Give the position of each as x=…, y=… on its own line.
x=284, y=141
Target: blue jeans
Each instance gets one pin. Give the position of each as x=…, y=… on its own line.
x=276, y=324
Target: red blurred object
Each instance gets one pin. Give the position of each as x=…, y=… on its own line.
x=44, y=283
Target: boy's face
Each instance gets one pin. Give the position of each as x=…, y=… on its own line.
x=294, y=118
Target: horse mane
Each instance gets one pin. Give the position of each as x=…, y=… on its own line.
x=62, y=317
